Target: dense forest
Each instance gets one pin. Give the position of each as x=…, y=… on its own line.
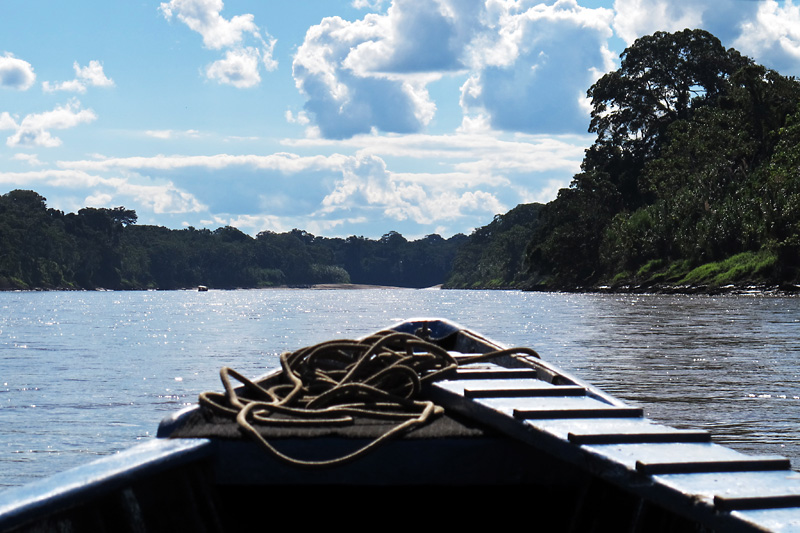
x=494, y=256
x=104, y=248
x=693, y=178
x=693, y=181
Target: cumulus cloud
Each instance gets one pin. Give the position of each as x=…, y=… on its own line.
x=239, y=68
x=366, y=184
x=532, y=74
x=635, y=18
x=7, y=122
x=373, y=73
x=203, y=16
x=766, y=30
x=91, y=75
x=33, y=129
x=344, y=102
x=415, y=37
x=773, y=36
x=16, y=73
x=242, y=61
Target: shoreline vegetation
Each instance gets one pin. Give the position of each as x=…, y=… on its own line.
x=691, y=186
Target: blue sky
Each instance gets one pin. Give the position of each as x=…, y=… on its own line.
x=340, y=117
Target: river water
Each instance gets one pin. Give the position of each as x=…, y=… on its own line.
x=84, y=374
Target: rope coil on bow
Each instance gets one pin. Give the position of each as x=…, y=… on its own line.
x=333, y=382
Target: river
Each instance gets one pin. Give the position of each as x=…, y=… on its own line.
x=84, y=374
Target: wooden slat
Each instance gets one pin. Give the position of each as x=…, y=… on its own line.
x=738, y=465
x=499, y=373
x=756, y=502
x=604, y=412
x=639, y=438
x=563, y=390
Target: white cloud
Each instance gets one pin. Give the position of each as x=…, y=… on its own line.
x=7, y=122
x=33, y=130
x=203, y=16
x=300, y=118
x=367, y=4
x=16, y=73
x=241, y=138
x=31, y=159
x=463, y=161
x=473, y=177
x=58, y=178
x=635, y=18
x=773, y=36
x=367, y=184
x=241, y=63
x=159, y=134
x=239, y=68
x=74, y=86
x=318, y=188
x=171, y=134
x=281, y=162
x=343, y=102
x=162, y=197
x=475, y=157
x=532, y=73
x=415, y=37
x=374, y=72
x=544, y=193
x=254, y=224
x=766, y=30
x=91, y=75
x=98, y=200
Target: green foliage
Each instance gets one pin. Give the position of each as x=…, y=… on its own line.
x=43, y=248
x=749, y=266
x=662, y=78
x=695, y=163
x=493, y=256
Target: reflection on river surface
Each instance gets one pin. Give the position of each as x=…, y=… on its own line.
x=89, y=373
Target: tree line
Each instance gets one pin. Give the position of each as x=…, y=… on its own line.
x=693, y=176
x=104, y=248
x=693, y=179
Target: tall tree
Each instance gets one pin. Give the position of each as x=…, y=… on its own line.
x=663, y=78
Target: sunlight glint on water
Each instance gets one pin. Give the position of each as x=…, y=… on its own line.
x=90, y=373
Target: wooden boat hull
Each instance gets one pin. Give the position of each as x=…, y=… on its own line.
x=583, y=460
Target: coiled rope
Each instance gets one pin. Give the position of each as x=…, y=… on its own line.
x=333, y=382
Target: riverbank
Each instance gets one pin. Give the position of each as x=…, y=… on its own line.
x=709, y=290
x=350, y=286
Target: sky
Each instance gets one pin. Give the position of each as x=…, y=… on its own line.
x=339, y=117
